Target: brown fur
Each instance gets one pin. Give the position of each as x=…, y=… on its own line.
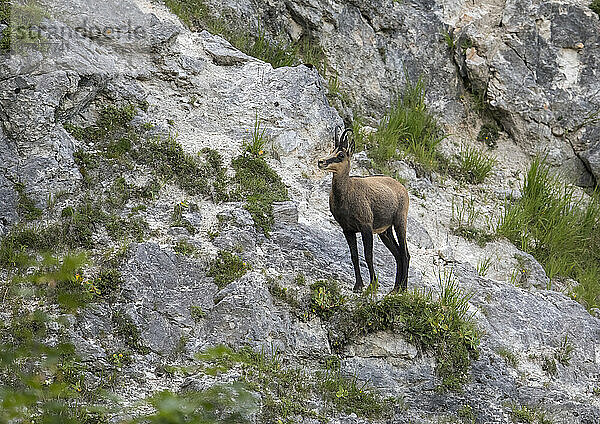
x=368, y=205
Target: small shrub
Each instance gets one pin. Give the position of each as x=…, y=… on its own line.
x=474, y=166
x=227, y=268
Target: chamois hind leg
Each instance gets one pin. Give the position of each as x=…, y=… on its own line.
x=367, y=238
x=400, y=227
x=351, y=239
x=387, y=237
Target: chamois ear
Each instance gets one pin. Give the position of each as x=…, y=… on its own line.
x=344, y=141
x=336, y=137
x=351, y=144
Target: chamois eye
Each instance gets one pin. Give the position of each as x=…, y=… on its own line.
x=341, y=155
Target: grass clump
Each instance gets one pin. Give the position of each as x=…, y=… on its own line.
x=260, y=186
x=184, y=247
x=509, y=357
x=349, y=396
x=440, y=325
x=168, y=160
x=409, y=128
x=474, y=166
x=528, y=415
x=564, y=352
x=595, y=6
x=227, y=268
x=286, y=390
x=197, y=313
x=26, y=206
x=119, y=144
x=561, y=230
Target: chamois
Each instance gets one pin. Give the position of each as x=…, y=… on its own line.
x=367, y=205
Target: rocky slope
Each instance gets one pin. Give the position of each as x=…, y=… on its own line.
x=538, y=353
x=533, y=64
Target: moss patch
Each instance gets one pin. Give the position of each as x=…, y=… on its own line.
x=227, y=268
x=261, y=187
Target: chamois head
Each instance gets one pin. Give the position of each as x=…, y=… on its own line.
x=339, y=159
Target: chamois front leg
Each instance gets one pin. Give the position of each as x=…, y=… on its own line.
x=351, y=239
x=367, y=238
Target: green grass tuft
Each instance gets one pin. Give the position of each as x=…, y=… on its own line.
x=528, y=415
x=474, y=166
x=286, y=390
x=465, y=222
x=227, y=268
x=558, y=229
x=595, y=6
x=408, y=129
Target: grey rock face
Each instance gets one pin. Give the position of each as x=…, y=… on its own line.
x=417, y=234
x=538, y=70
x=161, y=288
x=223, y=53
x=535, y=61
x=531, y=273
x=366, y=38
